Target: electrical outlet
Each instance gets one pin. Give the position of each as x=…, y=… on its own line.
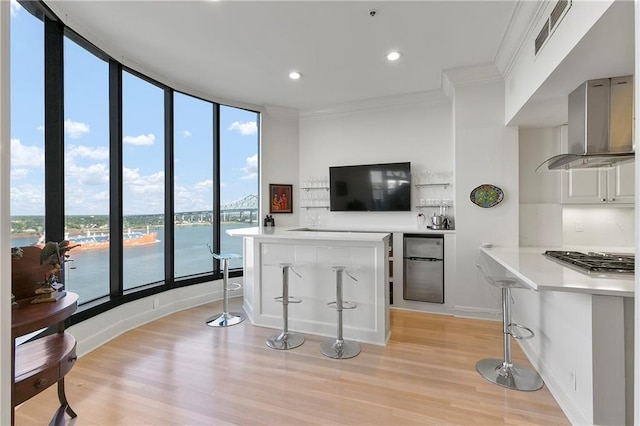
x=572, y=379
x=579, y=226
x=156, y=302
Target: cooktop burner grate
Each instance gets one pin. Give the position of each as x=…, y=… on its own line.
x=612, y=263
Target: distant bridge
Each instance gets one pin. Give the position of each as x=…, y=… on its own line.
x=244, y=210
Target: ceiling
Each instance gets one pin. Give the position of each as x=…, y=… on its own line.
x=243, y=51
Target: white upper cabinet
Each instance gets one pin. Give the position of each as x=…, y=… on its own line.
x=601, y=186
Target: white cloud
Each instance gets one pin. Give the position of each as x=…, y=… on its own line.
x=27, y=199
x=40, y=128
x=204, y=185
x=140, y=139
x=75, y=129
x=185, y=134
x=97, y=153
x=95, y=174
x=19, y=173
x=245, y=128
x=251, y=167
x=15, y=7
x=26, y=156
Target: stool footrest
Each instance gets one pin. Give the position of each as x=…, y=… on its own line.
x=233, y=286
x=345, y=305
x=529, y=334
x=291, y=299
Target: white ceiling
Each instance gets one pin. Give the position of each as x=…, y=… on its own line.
x=242, y=51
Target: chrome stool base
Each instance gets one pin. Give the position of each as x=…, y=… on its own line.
x=339, y=349
x=225, y=319
x=284, y=341
x=513, y=376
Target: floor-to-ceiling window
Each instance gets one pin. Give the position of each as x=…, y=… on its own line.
x=86, y=165
x=193, y=185
x=238, y=175
x=143, y=186
x=27, y=127
x=144, y=178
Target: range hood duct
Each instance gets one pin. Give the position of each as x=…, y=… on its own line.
x=600, y=130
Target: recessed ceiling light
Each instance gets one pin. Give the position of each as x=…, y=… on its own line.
x=294, y=75
x=394, y=56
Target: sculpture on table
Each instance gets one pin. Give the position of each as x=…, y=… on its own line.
x=54, y=254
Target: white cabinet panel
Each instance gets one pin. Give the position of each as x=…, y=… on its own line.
x=622, y=184
x=612, y=186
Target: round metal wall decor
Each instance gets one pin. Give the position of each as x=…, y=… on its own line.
x=486, y=196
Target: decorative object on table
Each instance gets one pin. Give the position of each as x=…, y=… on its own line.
x=281, y=198
x=55, y=255
x=486, y=196
x=16, y=253
x=269, y=221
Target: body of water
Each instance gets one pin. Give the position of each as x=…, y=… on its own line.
x=88, y=273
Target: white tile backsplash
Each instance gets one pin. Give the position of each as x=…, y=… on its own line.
x=602, y=226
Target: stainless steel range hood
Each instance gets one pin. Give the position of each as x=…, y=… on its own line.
x=600, y=131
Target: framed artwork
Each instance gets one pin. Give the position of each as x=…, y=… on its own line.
x=281, y=197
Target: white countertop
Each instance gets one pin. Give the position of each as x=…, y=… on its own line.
x=543, y=274
x=298, y=230
x=282, y=233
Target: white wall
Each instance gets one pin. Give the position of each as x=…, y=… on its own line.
x=5, y=221
x=486, y=152
x=601, y=226
x=540, y=208
x=279, y=159
x=415, y=128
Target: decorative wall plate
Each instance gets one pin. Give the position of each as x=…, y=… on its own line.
x=486, y=196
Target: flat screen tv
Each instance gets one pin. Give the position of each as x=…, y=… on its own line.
x=371, y=187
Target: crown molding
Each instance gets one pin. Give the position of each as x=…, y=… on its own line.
x=524, y=21
x=426, y=98
x=281, y=112
x=469, y=76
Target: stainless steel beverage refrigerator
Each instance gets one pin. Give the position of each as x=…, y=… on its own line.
x=424, y=268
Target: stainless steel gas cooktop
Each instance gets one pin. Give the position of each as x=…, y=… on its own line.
x=595, y=262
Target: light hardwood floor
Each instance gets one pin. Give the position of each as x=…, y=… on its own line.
x=178, y=371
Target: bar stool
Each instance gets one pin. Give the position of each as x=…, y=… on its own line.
x=285, y=339
x=226, y=318
x=504, y=372
x=339, y=348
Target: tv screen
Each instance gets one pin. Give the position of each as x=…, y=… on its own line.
x=371, y=187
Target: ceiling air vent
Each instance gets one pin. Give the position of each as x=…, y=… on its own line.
x=558, y=12
x=542, y=37
x=551, y=23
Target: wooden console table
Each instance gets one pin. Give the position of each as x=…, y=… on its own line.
x=40, y=363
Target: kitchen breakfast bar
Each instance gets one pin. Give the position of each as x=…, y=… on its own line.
x=314, y=255
x=583, y=324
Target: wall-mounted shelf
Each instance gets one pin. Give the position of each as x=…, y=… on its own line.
x=326, y=188
x=314, y=207
x=420, y=185
x=433, y=205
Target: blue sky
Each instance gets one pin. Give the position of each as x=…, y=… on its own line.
x=87, y=137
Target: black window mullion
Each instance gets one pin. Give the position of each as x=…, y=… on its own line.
x=216, y=185
x=169, y=197
x=54, y=129
x=116, y=284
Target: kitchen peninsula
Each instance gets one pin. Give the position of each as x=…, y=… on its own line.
x=312, y=254
x=583, y=347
